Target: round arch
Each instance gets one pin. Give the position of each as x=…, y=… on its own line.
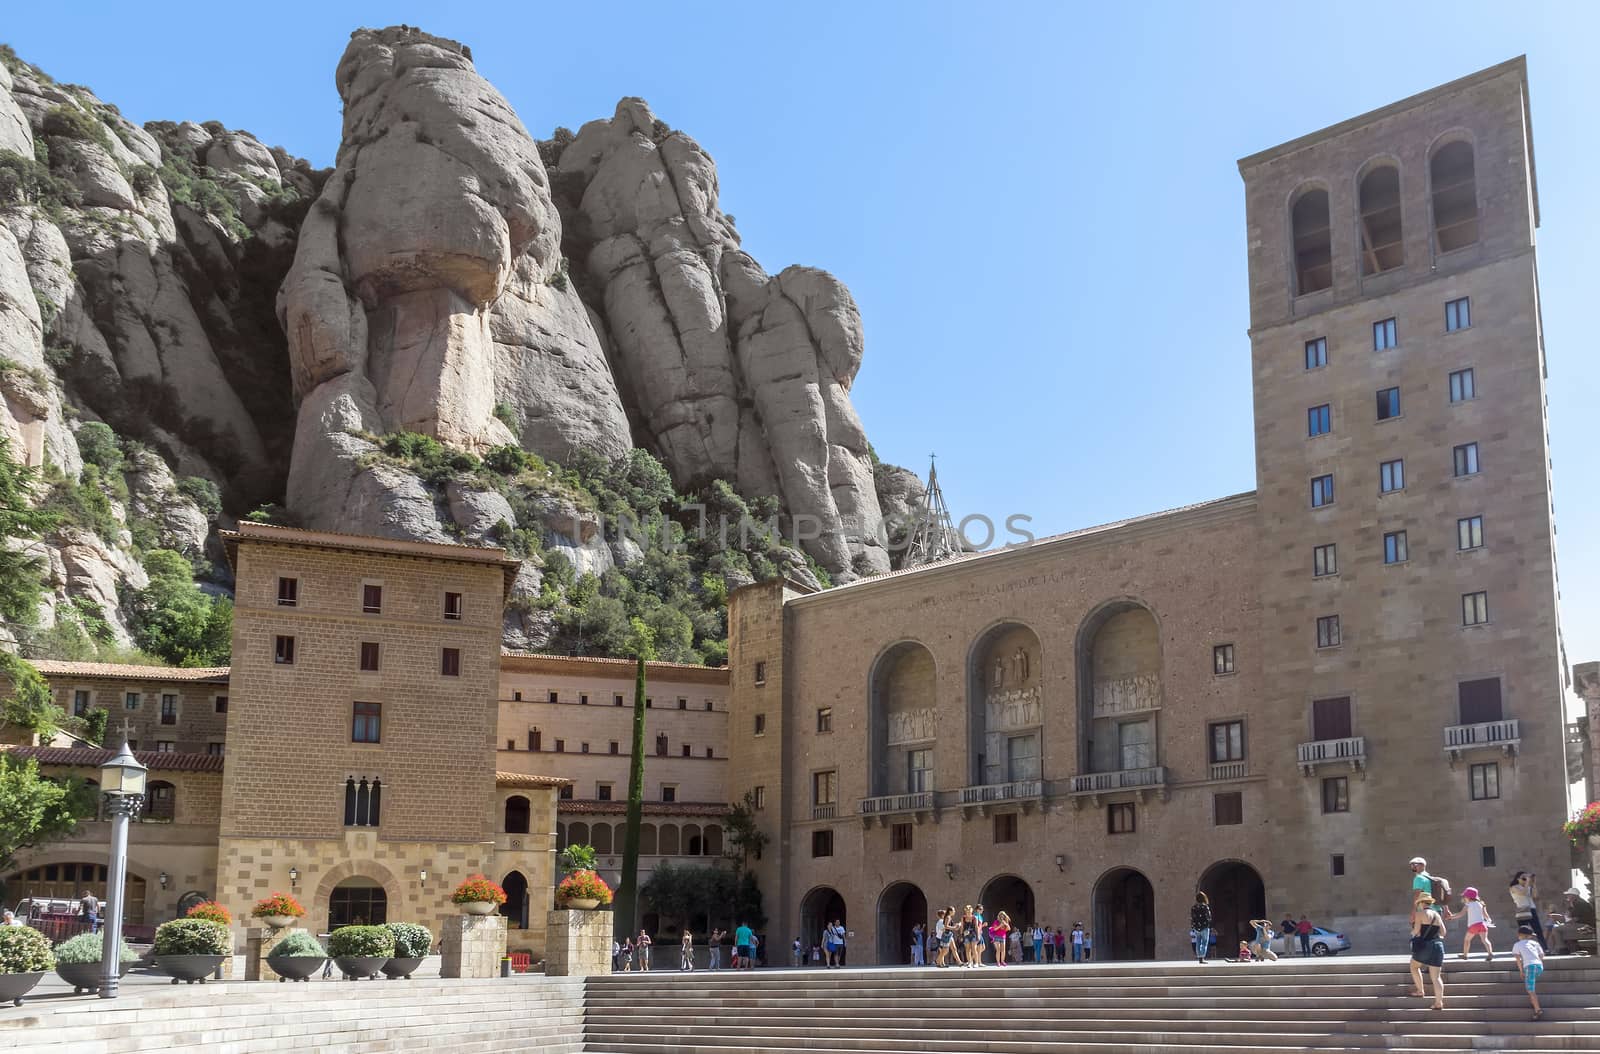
x=1379, y=227
x=1009, y=894
x=1121, y=668
x=1237, y=895
x=1311, y=237
x=820, y=906
x=1453, y=190
x=901, y=906
x=361, y=870
x=669, y=839
x=516, y=906
x=1005, y=667
x=901, y=699
x=1124, y=925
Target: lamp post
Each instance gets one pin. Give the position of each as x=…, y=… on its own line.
x=122, y=781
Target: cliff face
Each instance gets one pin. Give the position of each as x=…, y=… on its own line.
x=235, y=316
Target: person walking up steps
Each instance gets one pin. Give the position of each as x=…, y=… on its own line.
x=1529, y=955
x=1200, y=923
x=1422, y=882
x=1427, y=949
x=1478, y=923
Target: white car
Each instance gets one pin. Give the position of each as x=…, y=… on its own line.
x=1327, y=942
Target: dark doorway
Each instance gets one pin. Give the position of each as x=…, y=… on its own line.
x=820, y=907
x=1009, y=894
x=1237, y=896
x=357, y=902
x=1124, y=916
x=900, y=908
x=516, y=906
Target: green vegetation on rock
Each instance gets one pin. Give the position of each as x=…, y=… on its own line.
x=174, y=620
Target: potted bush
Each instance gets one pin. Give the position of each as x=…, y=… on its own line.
x=411, y=944
x=24, y=958
x=211, y=911
x=479, y=896
x=189, y=949
x=1584, y=827
x=297, y=956
x=278, y=910
x=78, y=961
x=584, y=890
x=361, y=951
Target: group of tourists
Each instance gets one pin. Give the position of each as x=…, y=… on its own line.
x=1203, y=936
x=634, y=952
x=963, y=938
x=1429, y=915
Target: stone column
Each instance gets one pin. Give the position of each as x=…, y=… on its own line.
x=259, y=943
x=578, y=943
x=472, y=945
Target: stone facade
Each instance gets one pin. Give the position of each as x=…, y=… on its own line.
x=578, y=943
x=174, y=710
x=472, y=945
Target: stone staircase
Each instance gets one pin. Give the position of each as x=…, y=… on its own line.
x=530, y=1015
x=1341, y=1004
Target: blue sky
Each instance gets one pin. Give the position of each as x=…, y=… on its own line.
x=1035, y=204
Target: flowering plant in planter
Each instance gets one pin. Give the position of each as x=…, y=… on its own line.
x=211, y=911
x=1583, y=826
x=477, y=890
x=277, y=904
x=583, y=885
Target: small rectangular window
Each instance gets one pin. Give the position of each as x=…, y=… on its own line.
x=1331, y=718
x=761, y=724
x=583, y=748
x=1336, y=865
x=1484, y=781
x=1394, y=548
x=1466, y=459
x=683, y=704
x=616, y=700
x=453, y=607
x=900, y=838
x=1227, y=810
x=825, y=787
x=1463, y=386
x=561, y=746
x=169, y=709
x=1391, y=476
x=822, y=843
x=566, y=792
x=1324, y=560
x=1316, y=353
x=1457, y=314
x=649, y=703
x=1469, y=533
x=1474, y=608
x=1227, y=741
x=758, y=797
x=1328, y=631
x=214, y=749
x=686, y=750
x=1479, y=701
x=1321, y=491
x=711, y=752
x=1120, y=818
x=1336, y=794
x=824, y=719
x=708, y=704
x=669, y=792
x=1385, y=335
x=552, y=697
x=1388, y=403
x=369, y=655
x=1319, y=420
x=130, y=701
x=1222, y=658
x=583, y=700
x=80, y=702
x=1486, y=854
x=615, y=746
x=166, y=746
x=371, y=599
x=221, y=703
x=1005, y=827
x=535, y=739
x=366, y=724
x=602, y=792
x=288, y=592
x=761, y=673
x=283, y=651
x=450, y=662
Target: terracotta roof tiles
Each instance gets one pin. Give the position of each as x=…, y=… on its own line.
x=94, y=757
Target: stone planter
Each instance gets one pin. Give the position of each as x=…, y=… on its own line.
x=85, y=977
x=295, y=967
x=401, y=966
x=13, y=986
x=583, y=903
x=355, y=967
x=480, y=907
x=188, y=968
x=277, y=922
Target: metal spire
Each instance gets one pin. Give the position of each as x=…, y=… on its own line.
x=933, y=535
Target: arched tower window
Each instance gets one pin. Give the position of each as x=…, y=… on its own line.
x=1313, y=245
x=1455, y=196
x=517, y=814
x=1382, y=248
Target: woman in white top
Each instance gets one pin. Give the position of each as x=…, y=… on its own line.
x=1525, y=895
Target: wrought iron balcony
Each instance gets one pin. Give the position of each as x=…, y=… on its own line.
x=1228, y=770
x=1504, y=736
x=885, y=806
x=1351, y=751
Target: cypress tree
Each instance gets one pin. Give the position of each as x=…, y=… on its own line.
x=625, y=908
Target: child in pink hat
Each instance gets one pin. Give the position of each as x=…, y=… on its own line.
x=1478, y=922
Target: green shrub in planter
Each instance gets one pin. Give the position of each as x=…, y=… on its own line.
x=87, y=948
x=297, y=943
x=410, y=940
x=361, y=941
x=24, y=949
x=193, y=937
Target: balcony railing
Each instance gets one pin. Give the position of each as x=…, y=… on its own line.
x=1227, y=770
x=824, y=812
x=1119, y=780
x=1351, y=751
x=1503, y=735
x=897, y=803
x=1015, y=790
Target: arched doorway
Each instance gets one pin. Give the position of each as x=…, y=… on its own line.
x=900, y=907
x=1009, y=894
x=68, y=881
x=1237, y=895
x=516, y=906
x=821, y=906
x=1124, y=916
x=357, y=901
x=1005, y=705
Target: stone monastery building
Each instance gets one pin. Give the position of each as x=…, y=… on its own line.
x=1278, y=697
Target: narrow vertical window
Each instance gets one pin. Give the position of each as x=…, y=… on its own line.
x=1457, y=314
x=453, y=606
x=1313, y=246
x=1463, y=386
x=372, y=599
x=1469, y=532
x=1382, y=240
x=1328, y=631
x=761, y=673
x=1455, y=196
x=1324, y=560
x=288, y=592
x=1474, y=608
x=1319, y=420
x=1485, y=781
x=1385, y=335
x=369, y=655
x=1316, y=353
x=1222, y=659
x=1466, y=459
x=1336, y=794
x=366, y=723
x=80, y=703
x=450, y=662
x=283, y=651
x=1394, y=548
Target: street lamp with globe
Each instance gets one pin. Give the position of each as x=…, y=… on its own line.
x=122, y=781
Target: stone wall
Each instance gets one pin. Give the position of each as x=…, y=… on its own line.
x=472, y=945
x=578, y=943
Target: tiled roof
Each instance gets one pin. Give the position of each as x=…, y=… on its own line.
x=94, y=757
x=123, y=671
x=527, y=779
x=589, y=807
x=274, y=534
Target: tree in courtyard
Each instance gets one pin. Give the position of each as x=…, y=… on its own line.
x=28, y=703
x=21, y=569
x=625, y=906
x=745, y=838
x=35, y=809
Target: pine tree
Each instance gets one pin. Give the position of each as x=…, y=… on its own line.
x=625, y=905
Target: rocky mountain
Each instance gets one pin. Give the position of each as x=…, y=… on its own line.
x=235, y=316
